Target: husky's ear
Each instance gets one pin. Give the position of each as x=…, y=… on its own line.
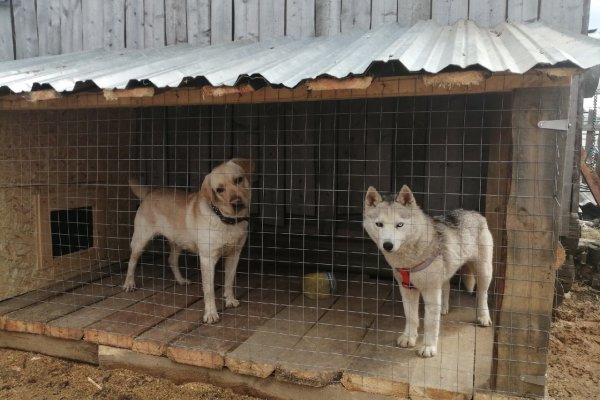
x=206, y=190
x=373, y=197
x=406, y=197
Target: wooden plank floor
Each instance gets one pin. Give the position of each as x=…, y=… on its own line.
x=275, y=332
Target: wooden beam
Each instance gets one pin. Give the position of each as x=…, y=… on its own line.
x=411, y=85
x=523, y=325
x=69, y=349
x=590, y=176
x=339, y=84
x=116, y=94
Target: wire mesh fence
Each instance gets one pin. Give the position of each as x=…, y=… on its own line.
x=69, y=215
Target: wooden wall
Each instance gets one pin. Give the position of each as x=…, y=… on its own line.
x=49, y=153
x=316, y=159
x=31, y=28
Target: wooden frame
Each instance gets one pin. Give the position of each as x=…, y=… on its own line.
x=469, y=82
x=522, y=196
x=45, y=201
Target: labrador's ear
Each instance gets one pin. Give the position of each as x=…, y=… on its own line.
x=206, y=190
x=247, y=165
x=372, y=198
x=406, y=197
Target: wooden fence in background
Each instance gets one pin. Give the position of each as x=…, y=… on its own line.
x=32, y=28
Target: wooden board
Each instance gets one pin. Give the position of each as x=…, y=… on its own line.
x=327, y=17
x=33, y=319
x=412, y=85
x=71, y=26
x=355, y=14
x=207, y=345
x=154, y=23
x=25, y=25
x=48, y=292
x=120, y=328
x=532, y=233
x=522, y=10
x=71, y=326
x=7, y=49
x=111, y=357
x=246, y=20
x=176, y=24
x=114, y=24
x=566, y=15
x=379, y=366
x=487, y=13
x=198, y=21
x=271, y=19
x=327, y=348
x=221, y=25
x=134, y=30
x=93, y=24
x=48, y=21
x=156, y=340
x=447, y=12
x=69, y=349
x=261, y=353
x=383, y=11
x=409, y=12
x=300, y=18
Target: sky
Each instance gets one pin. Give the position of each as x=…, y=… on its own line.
x=595, y=14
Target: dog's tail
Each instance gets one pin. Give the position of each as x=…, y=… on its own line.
x=138, y=189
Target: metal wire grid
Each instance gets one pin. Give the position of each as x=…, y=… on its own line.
x=314, y=160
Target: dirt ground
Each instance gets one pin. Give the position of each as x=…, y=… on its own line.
x=574, y=359
x=574, y=367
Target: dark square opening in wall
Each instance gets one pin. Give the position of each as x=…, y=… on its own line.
x=71, y=230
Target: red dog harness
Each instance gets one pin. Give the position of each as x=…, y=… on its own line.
x=405, y=272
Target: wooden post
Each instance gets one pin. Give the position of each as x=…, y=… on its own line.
x=523, y=323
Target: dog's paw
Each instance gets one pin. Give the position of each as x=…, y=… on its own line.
x=231, y=302
x=210, y=317
x=427, y=351
x=445, y=309
x=484, y=320
x=129, y=285
x=183, y=281
x=406, y=341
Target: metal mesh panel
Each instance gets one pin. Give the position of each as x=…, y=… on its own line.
x=314, y=163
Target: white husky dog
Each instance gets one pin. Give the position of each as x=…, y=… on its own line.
x=424, y=254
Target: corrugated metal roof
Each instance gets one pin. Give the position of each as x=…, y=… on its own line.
x=426, y=46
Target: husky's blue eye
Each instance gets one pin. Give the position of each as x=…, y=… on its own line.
x=379, y=224
x=399, y=225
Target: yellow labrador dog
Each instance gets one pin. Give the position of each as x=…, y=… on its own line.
x=212, y=223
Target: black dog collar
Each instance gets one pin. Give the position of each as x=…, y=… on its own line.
x=227, y=220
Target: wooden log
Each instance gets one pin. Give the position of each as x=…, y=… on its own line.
x=69, y=349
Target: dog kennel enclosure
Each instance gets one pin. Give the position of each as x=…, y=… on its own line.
x=501, y=143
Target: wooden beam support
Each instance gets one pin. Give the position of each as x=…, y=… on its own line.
x=532, y=233
x=590, y=176
x=317, y=90
x=116, y=94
